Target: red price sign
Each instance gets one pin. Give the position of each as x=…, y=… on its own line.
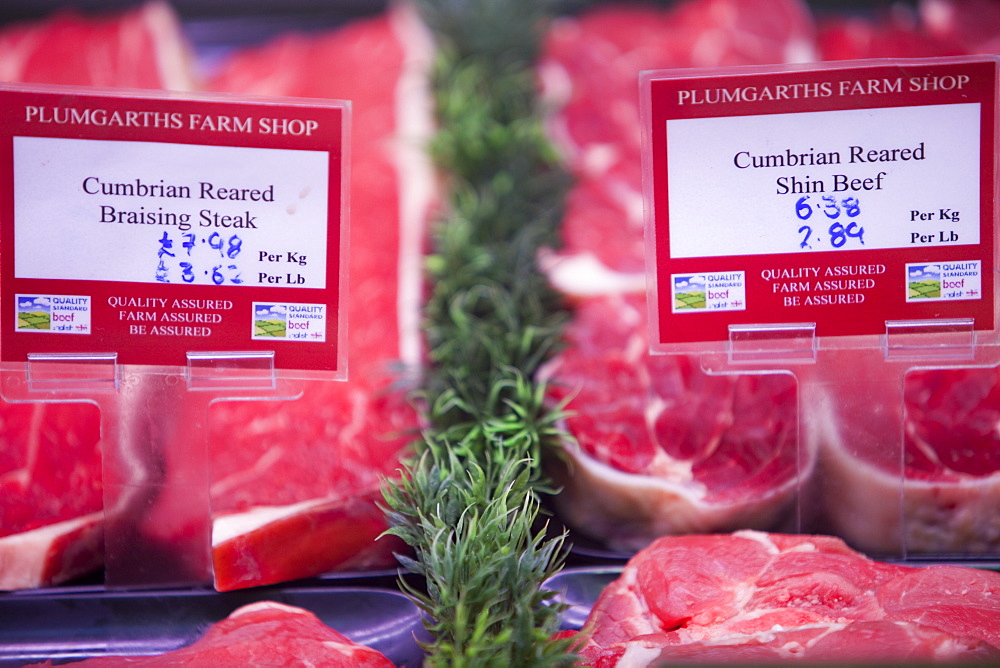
x=153, y=226
x=844, y=195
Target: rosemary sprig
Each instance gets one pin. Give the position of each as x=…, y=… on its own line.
x=490, y=309
x=482, y=561
x=469, y=502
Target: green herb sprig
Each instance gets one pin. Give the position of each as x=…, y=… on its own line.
x=469, y=502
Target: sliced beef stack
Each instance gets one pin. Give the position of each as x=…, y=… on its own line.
x=294, y=484
x=51, y=497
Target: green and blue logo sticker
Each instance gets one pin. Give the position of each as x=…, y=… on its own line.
x=54, y=314
x=708, y=291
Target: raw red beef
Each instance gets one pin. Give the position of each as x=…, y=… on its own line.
x=931, y=28
x=297, y=493
x=262, y=634
x=50, y=493
x=661, y=446
x=919, y=471
x=893, y=34
x=51, y=520
x=295, y=484
x=757, y=597
x=589, y=71
x=140, y=48
x=968, y=26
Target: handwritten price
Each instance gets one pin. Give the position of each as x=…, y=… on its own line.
x=220, y=273
x=838, y=233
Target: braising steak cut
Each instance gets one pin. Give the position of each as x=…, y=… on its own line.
x=295, y=484
x=295, y=489
x=139, y=48
x=265, y=633
x=51, y=515
x=51, y=505
x=661, y=447
x=920, y=472
x=757, y=597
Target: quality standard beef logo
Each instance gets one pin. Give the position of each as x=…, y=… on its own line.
x=58, y=314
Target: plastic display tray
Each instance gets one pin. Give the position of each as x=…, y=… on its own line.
x=72, y=623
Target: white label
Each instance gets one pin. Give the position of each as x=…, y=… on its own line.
x=149, y=212
x=902, y=177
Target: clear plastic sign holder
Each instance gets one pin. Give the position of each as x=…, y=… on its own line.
x=838, y=222
x=155, y=452
x=162, y=253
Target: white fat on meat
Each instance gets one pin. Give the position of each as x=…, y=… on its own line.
x=418, y=187
x=583, y=275
x=25, y=557
x=883, y=512
x=626, y=509
x=233, y=525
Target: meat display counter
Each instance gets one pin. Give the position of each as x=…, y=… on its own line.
x=268, y=449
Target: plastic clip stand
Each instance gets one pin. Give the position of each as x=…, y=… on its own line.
x=930, y=339
x=129, y=317
x=787, y=342
x=155, y=465
x=231, y=371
